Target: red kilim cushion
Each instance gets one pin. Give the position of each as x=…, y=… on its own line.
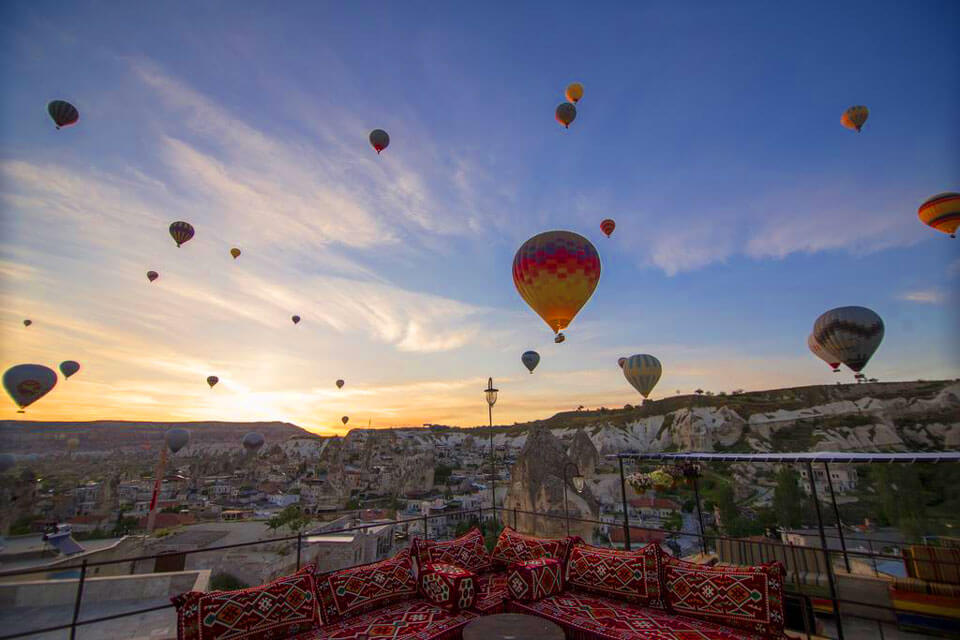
x=345, y=593
x=277, y=609
x=448, y=586
x=491, y=593
x=633, y=576
x=535, y=579
x=408, y=620
x=467, y=551
x=515, y=547
x=744, y=597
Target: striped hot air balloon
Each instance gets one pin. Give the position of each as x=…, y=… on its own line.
x=607, y=226
x=850, y=333
x=63, y=113
x=817, y=349
x=942, y=212
x=556, y=272
x=181, y=232
x=643, y=372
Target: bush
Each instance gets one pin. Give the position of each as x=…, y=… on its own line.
x=224, y=581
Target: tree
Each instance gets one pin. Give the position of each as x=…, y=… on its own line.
x=673, y=522
x=699, y=392
x=224, y=581
x=788, y=499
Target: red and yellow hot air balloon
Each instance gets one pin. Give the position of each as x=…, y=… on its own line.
x=565, y=114
x=607, y=226
x=942, y=212
x=556, y=272
x=855, y=117
x=574, y=92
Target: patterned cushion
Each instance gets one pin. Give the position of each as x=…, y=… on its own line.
x=448, y=586
x=744, y=597
x=535, y=579
x=633, y=576
x=347, y=592
x=589, y=616
x=516, y=547
x=409, y=620
x=275, y=610
x=467, y=551
x=491, y=593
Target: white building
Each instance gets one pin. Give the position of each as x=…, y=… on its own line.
x=843, y=476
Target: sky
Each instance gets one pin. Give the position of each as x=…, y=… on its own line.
x=710, y=133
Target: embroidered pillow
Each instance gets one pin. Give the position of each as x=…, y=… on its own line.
x=347, y=592
x=513, y=547
x=748, y=598
x=448, y=586
x=633, y=576
x=286, y=606
x=467, y=551
x=535, y=579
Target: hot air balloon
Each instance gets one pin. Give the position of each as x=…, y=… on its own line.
x=69, y=367
x=339, y=384
x=296, y=319
x=379, y=140
x=6, y=462
x=574, y=92
x=27, y=383
x=620, y=362
x=72, y=444
x=556, y=272
x=181, y=232
x=607, y=226
x=852, y=334
x=566, y=113
x=854, y=117
x=27, y=323
x=235, y=253
x=63, y=113
x=530, y=360
x=823, y=354
x=212, y=380
x=252, y=441
x=643, y=372
x=176, y=439
x=559, y=338
x=345, y=419
x=152, y=275
x=942, y=212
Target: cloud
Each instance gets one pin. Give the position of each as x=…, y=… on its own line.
x=924, y=296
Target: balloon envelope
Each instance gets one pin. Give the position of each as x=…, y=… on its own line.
x=176, y=439
x=63, y=113
x=607, y=226
x=340, y=384
x=235, y=253
x=27, y=323
x=27, y=383
x=620, y=362
x=379, y=140
x=574, y=92
x=152, y=275
x=643, y=372
x=850, y=333
x=941, y=212
x=566, y=113
x=181, y=232
x=854, y=117
x=252, y=441
x=296, y=319
x=345, y=419
x=212, y=380
x=817, y=349
x=556, y=272
x=69, y=367
x=530, y=360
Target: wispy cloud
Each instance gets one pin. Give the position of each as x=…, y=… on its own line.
x=924, y=296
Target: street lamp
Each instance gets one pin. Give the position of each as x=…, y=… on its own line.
x=491, y=395
x=578, y=485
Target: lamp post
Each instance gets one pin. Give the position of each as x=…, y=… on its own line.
x=578, y=485
x=491, y=395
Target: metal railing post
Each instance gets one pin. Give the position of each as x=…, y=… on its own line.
x=836, y=514
x=514, y=518
x=299, y=544
x=76, y=604
x=826, y=553
x=623, y=496
x=425, y=525
x=703, y=533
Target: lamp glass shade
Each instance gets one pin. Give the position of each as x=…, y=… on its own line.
x=491, y=396
x=579, y=483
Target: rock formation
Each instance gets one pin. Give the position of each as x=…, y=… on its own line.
x=584, y=454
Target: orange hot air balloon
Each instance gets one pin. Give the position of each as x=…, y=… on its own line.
x=607, y=226
x=855, y=117
x=942, y=212
x=235, y=253
x=574, y=92
x=556, y=272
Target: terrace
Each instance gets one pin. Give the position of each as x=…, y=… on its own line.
x=838, y=584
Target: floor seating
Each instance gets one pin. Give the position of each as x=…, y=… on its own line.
x=928, y=599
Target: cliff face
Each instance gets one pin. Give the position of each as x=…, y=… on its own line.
x=537, y=486
x=584, y=454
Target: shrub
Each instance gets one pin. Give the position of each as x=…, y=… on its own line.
x=224, y=581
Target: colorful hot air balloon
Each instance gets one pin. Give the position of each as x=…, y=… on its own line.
x=27, y=323
x=152, y=275
x=212, y=380
x=852, y=334
x=181, y=232
x=574, y=92
x=235, y=253
x=27, y=383
x=176, y=439
x=63, y=113
x=643, y=372
x=530, y=360
x=379, y=140
x=556, y=272
x=607, y=226
x=345, y=419
x=854, y=117
x=823, y=354
x=69, y=367
x=620, y=362
x=296, y=319
x=252, y=441
x=339, y=384
x=942, y=212
x=566, y=113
